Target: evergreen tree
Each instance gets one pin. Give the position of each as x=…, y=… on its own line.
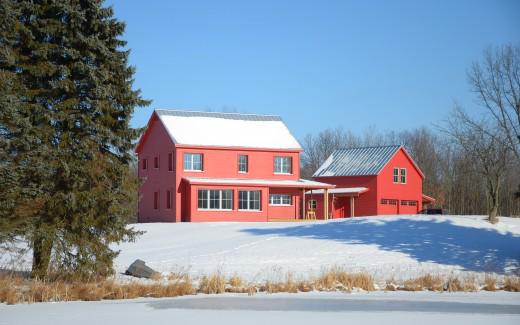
x=66, y=100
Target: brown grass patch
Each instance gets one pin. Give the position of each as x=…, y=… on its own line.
x=215, y=283
x=490, y=283
x=512, y=284
x=336, y=279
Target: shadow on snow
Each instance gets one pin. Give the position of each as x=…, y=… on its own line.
x=442, y=242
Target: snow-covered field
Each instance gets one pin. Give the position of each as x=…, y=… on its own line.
x=391, y=246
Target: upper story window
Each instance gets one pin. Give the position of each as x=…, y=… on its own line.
x=144, y=164
x=170, y=162
x=403, y=175
x=249, y=200
x=243, y=164
x=280, y=199
x=156, y=162
x=396, y=175
x=193, y=161
x=283, y=165
x=215, y=199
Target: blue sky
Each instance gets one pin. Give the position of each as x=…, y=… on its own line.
x=392, y=65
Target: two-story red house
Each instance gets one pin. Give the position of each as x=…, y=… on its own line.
x=205, y=166
x=369, y=181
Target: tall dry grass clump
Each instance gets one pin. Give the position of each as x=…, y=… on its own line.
x=426, y=282
x=512, y=284
x=490, y=283
x=337, y=279
x=215, y=283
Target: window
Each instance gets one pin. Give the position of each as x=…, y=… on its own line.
x=249, y=200
x=403, y=175
x=242, y=164
x=168, y=199
x=282, y=165
x=396, y=175
x=156, y=200
x=215, y=199
x=156, y=162
x=193, y=161
x=410, y=203
x=170, y=162
x=280, y=199
x=312, y=204
x=145, y=164
x=388, y=201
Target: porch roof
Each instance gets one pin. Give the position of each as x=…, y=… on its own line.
x=344, y=190
x=300, y=183
x=427, y=199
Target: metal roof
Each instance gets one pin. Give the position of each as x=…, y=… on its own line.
x=357, y=161
x=228, y=116
x=342, y=190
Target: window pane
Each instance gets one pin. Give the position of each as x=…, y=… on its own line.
x=187, y=161
x=242, y=200
x=227, y=199
x=242, y=163
x=203, y=199
x=214, y=199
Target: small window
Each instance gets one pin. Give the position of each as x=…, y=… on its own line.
x=156, y=162
x=283, y=165
x=410, y=203
x=396, y=175
x=280, y=199
x=215, y=199
x=156, y=200
x=403, y=175
x=312, y=205
x=170, y=162
x=193, y=162
x=249, y=200
x=145, y=164
x=242, y=163
x=388, y=202
x=168, y=199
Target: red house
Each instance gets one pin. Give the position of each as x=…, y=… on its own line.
x=204, y=166
x=369, y=181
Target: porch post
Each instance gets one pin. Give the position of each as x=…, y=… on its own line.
x=326, y=204
x=351, y=206
x=303, y=202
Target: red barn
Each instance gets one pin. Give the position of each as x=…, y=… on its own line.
x=369, y=181
x=205, y=166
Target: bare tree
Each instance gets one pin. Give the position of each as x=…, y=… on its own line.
x=496, y=81
x=484, y=143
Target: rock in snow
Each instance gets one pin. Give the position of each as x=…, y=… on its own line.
x=139, y=269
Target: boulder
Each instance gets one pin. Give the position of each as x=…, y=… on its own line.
x=139, y=269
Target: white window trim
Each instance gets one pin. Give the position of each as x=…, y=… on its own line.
x=208, y=200
x=281, y=204
x=281, y=165
x=247, y=164
x=398, y=175
x=309, y=204
x=249, y=200
x=401, y=175
x=191, y=162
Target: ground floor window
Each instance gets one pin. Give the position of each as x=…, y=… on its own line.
x=388, y=202
x=280, y=199
x=410, y=203
x=312, y=204
x=215, y=199
x=249, y=200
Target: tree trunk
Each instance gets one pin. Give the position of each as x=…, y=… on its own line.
x=42, y=250
x=493, y=202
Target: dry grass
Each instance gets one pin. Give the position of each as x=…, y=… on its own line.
x=512, y=284
x=16, y=289
x=490, y=283
x=215, y=283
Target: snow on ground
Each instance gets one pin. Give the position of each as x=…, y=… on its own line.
x=311, y=308
x=386, y=246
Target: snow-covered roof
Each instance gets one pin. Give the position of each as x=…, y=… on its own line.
x=357, y=161
x=227, y=129
x=344, y=190
x=303, y=183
